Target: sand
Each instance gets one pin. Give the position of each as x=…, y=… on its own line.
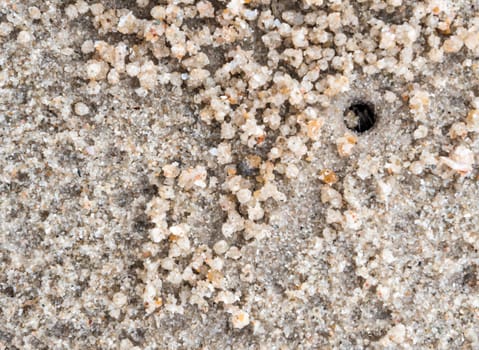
x=189, y=175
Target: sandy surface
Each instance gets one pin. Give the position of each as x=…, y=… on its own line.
x=179, y=175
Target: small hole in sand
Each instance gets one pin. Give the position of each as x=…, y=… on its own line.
x=360, y=117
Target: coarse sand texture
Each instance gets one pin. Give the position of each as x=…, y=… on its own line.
x=239, y=174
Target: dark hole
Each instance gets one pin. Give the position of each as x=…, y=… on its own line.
x=9, y=291
x=360, y=117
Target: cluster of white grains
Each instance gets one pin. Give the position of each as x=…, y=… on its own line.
x=310, y=55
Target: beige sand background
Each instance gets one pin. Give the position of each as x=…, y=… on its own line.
x=178, y=175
